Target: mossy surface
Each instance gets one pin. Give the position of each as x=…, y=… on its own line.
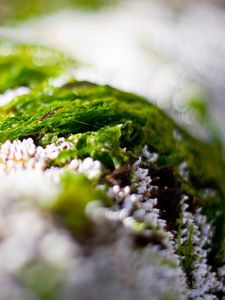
x=77, y=191
x=103, y=118
x=23, y=65
x=103, y=122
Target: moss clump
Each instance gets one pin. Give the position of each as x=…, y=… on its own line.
x=102, y=122
x=103, y=145
x=102, y=114
x=23, y=65
x=76, y=192
x=42, y=280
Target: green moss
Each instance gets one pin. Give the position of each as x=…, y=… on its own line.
x=42, y=280
x=185, y=251
x=102, y=122
x=97, y=113
x=76, y=192
x=29, y=65
x=103, y=145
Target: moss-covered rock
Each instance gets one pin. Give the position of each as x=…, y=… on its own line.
x=113, y=127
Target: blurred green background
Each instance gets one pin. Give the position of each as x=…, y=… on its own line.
x=20, y=9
